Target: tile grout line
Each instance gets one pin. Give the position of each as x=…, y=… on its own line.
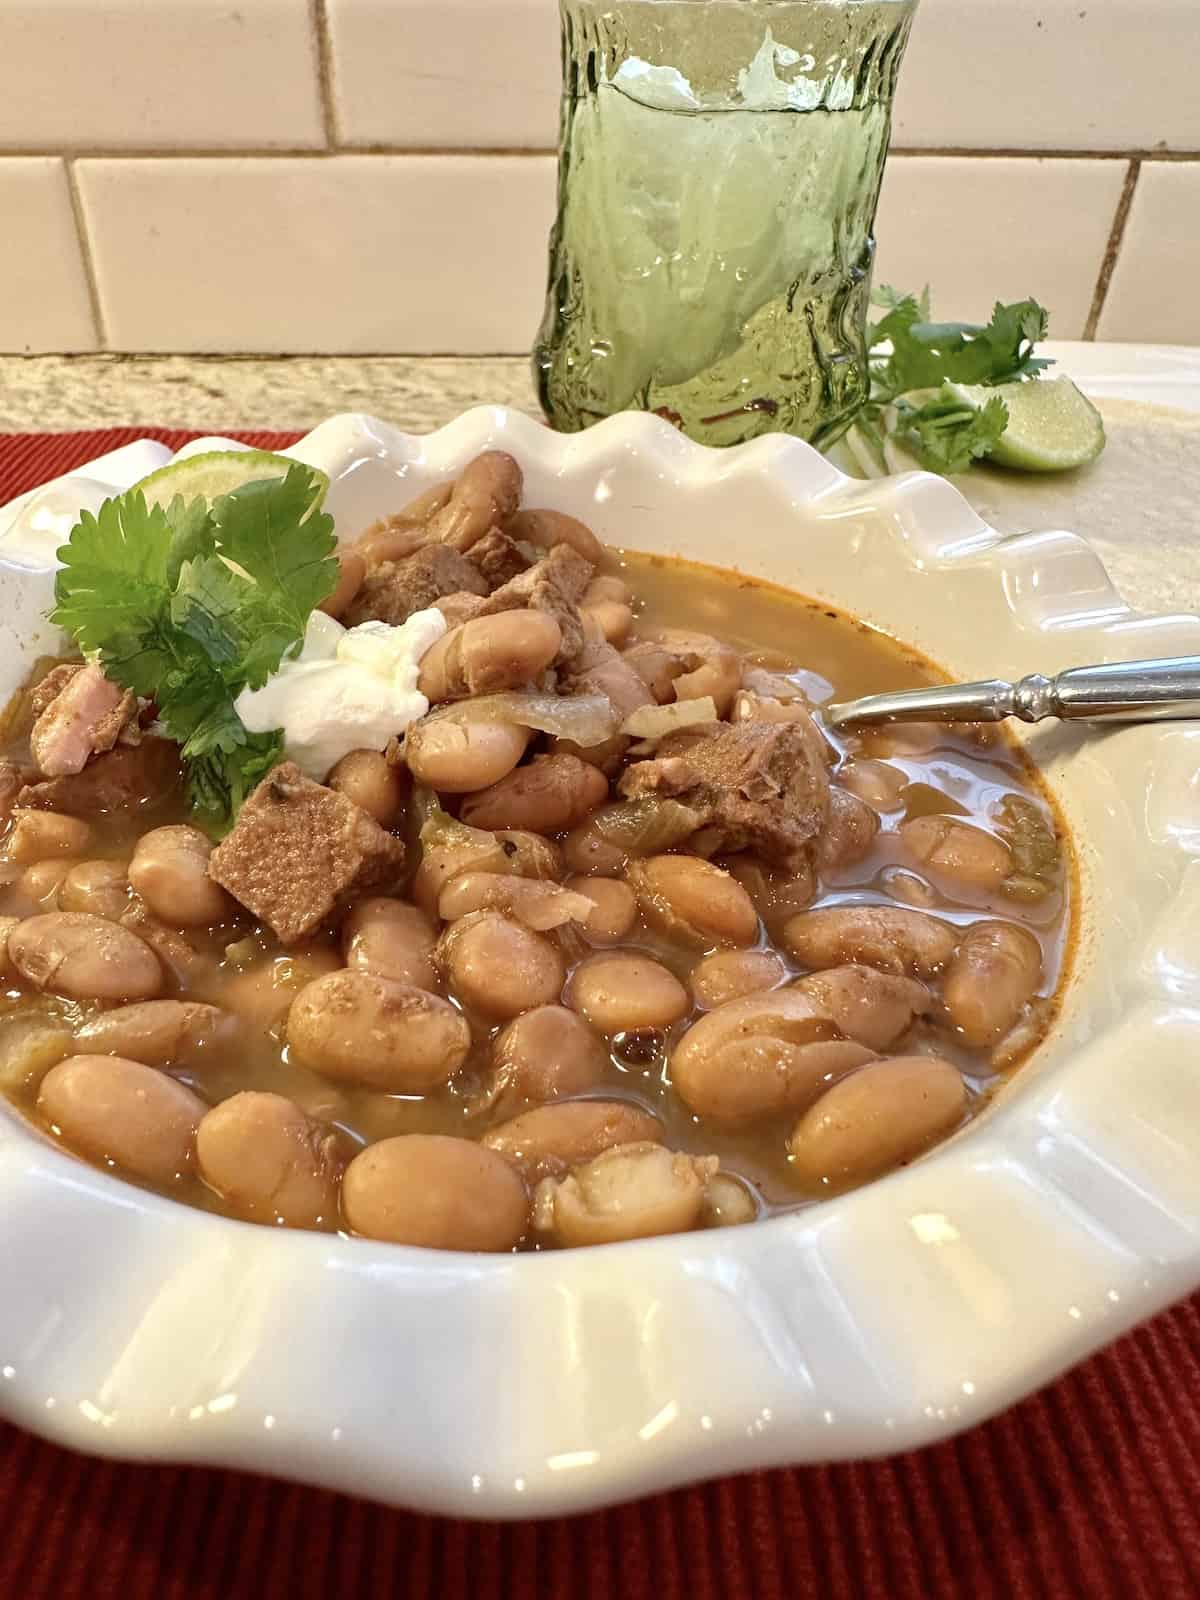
x=324, y=48
x=85, y=251
x=480, y=152
x=1112, y=249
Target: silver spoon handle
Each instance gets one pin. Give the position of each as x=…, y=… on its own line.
x=1125, y=691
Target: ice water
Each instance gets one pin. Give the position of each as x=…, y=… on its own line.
x=712, y=255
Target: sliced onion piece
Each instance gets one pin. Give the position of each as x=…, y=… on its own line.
x=655, y=722
x=647, y=826
x=585, y=719
x=539, y=905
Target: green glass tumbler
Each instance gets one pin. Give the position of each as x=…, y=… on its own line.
x=719, y=169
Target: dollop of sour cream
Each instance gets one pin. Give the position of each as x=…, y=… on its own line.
x=348, y=689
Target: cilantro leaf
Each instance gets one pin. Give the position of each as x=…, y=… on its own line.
x=912, y=359
x=946, y=435
x=191, y=603
x=111, y=591
x=273, y=532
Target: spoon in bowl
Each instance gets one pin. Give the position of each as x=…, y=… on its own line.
x=1123, y=691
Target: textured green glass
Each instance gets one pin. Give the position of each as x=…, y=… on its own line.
x=719, y=168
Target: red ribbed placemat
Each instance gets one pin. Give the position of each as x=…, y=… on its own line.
x=1089, y=1491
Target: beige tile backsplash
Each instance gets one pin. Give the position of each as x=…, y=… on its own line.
x=374, y=175
x=44, y=303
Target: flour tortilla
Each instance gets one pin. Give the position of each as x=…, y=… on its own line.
x=1139, y=505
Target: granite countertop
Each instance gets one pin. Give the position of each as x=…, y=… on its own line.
x=1137, y=505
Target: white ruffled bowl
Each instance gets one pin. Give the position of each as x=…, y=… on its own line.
x=878, y=1321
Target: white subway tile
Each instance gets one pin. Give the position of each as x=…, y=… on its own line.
x=1151, y=297
x=168, y=74
x=354, y=254
x=442, y=74
x=44, y=303
x=980, y=229
x=1051, y=75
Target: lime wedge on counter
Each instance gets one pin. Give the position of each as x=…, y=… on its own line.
x=1051, y=425
x=218, y=472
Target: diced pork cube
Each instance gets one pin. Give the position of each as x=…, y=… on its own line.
x=85, y=716
x=299, y=853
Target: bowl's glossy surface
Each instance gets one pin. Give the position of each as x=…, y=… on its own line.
x=877, y=1321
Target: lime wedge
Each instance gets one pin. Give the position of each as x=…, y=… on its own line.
x=218, y=472
x=1051, y=426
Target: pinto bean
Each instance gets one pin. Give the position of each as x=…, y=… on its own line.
x=452, y=850
x=956, y=852
x=850, y=833
x=613, y=619
x=872, y=1007
x=692, y=900
x=269, y=1162
x=633, y=1191
x=84, y=958
x=876, y=782
x=880, y=1117
x=7, y=925
x=170, y=871
x=546, y=1142
x=486, y=494
x=760, y=1056
x=889, y=938
x=615, y=907
x=355, y=1027
x=374, y=784
x=551, y=794
x=543, y=1055
x=548, y=528
x=100, y=888
x=488, y=654
x=776, y=895
x=262, y=992
x=40, y=883
x=995, y=973
x=727, y=1202
x=586, y=851
x=621, y=991
x=40, y=835
x=393, y=940
x=607, y=587
x=352, y=569
x=498, y=967
x=462, y=757
x=731, y=974
x=442, y=1193
x=159, y=1033
x=122, y=1114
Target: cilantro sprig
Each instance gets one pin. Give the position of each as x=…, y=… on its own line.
x=914, y=361
x=191, y=603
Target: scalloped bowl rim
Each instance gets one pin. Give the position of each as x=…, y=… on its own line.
x=877, y=1321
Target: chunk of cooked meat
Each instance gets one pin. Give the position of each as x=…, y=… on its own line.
x=460, y=607
x=757, y=786
x=10, y=789
x=554, y=585
x=601, y=669
x=133, y=777
x=299, y=853
x=393, y=591
x=82, y=718
x=52, y=685
x=498, y=559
